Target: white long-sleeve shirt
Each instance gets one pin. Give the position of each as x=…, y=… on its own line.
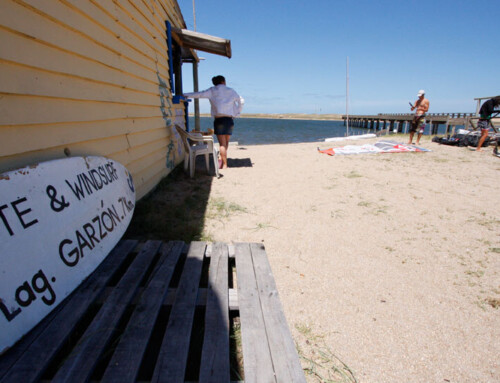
x=224, y=101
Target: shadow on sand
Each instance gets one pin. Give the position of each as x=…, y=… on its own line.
x=176, y=208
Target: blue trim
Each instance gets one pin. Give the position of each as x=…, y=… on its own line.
x=170, y=56
x=178, y=98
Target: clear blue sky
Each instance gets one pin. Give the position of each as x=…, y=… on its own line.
x=290, y=56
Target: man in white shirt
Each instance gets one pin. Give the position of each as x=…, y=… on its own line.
x=226, y=104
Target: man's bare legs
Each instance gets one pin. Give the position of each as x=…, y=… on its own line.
x=223, y=146
x=411, y=138
x=484, y=134
x=419, y=135
x=418, y=138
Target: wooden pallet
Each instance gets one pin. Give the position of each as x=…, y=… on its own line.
x=164, y=312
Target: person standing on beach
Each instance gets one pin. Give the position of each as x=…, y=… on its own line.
x=418, y=123
x=485, y=114
x=226, y=104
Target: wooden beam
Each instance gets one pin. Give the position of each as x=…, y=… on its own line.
x=202, y=42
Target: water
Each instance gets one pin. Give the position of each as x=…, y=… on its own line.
x=262, y=131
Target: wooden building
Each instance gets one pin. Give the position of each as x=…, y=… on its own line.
x=81, y=78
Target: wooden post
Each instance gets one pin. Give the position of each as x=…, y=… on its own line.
x=196, y=101
x=435, y=128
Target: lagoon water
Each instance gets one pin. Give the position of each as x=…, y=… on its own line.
x=261, y=131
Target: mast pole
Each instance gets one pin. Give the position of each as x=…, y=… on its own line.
x=194, y=15
x=347, y=95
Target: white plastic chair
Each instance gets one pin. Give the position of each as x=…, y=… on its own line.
x=196, y=144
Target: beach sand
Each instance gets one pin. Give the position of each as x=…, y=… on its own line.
x=387, y=265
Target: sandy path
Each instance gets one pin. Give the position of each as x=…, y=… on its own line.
x=389, y=262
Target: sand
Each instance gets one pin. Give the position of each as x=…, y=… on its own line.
x=387, y=265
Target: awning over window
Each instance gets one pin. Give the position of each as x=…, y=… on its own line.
x=194, y=40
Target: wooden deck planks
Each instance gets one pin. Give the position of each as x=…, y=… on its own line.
x=284, y=354
x=37, y=355
x=171, y=363
x=215, y=354
x=78, y=367
x=125, y=363
x=257, y=361
x=128, y=307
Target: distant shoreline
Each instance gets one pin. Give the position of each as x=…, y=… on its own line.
x=287, y=116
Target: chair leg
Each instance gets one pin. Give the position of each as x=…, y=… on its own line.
x=192, y=164
x=216, y=163
x=207, y=162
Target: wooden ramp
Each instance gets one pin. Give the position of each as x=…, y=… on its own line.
x=165, y=312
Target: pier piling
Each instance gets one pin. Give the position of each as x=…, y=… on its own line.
x=402, y=121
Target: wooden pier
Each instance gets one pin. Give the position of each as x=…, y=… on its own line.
x=400, y=122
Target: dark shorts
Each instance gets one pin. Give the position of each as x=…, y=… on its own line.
x=418, y=124
x=483, y=124
x=223, y=125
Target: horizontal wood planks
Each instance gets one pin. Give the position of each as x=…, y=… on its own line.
x=89, y=77
x=161, y=312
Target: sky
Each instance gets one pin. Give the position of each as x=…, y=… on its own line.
x=291, y=56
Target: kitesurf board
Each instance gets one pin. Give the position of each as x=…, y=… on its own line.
x=58, y=221
x=358, y=137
